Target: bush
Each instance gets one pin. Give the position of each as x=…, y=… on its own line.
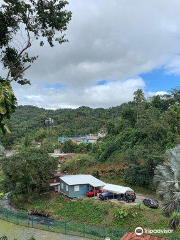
x=121, y=214
x=95, y=172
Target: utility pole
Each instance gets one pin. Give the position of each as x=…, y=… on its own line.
x=49, y=123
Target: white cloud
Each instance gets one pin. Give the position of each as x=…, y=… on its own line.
x=108, y=40
x=174, y=66
x=110, y=94
x=160, y=93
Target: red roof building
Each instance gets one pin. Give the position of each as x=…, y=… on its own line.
x=133, y=236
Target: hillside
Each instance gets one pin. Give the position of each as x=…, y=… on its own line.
x=137, y=141
x=67, y=122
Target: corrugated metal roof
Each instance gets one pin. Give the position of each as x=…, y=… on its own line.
x=82, y=179
x=116, y=188
x=133, y=236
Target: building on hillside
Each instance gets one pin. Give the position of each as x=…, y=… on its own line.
x=62, y=157
x=9, y=153
x=66, y=156
x=102, y=134
x=36, y=144
x=75, y=139
x=133, y=236
x=78, y=185
x=54, y=182
x=57, y=151
x=91, y=138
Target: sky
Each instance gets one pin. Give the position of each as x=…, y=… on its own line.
x=115, y=47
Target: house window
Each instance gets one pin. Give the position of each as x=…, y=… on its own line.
x=76, y=188
x=62, y=185
x=67, y=187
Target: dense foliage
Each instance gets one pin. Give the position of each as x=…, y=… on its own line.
x=22, y=22
x=100, y=213
x=142, y=134
x=167, y=179
x=27, y=173
x=29, y=120
x=139, y=132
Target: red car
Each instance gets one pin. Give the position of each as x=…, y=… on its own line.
x=93, y=193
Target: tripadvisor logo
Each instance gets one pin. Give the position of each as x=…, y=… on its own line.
x=139, y=231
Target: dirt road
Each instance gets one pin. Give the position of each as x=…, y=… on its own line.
x=139, y=199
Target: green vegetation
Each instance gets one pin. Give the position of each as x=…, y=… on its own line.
x=139, y=138
x=79, y=164
x=100, y=213
x=139, y=133
x=29, y=120
x=36, y=20
x=27, y=173
x=1, y=185
x=167, y=179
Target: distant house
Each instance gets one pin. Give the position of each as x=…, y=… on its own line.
x=54, y=183
x=57, y=151
x=102, y=134
x=36, y=144
x=78, y=185
x=9, y=153
x=63, y=157
x=133, y=236
x=75, y=139
x=91, y=138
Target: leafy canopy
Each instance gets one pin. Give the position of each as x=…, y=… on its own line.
x=22, y=22
x=138, y=139
x=167, y=180
x=28, y=172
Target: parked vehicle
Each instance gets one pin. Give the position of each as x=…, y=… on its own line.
x=108, y=195
x=93, y=193
x=151, y=203
x=128, y=196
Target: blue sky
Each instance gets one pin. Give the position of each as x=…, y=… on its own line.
x=156, y=80
x=160, y=80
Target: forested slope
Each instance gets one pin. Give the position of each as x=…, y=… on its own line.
x=141, y=135
x=27, y=120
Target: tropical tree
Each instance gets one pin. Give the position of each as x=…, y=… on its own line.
x=139, y=96
x=167, y=179
x=22, y=22
x=7, y=103
x=40, y=135
x=139, y=99
x=27, y=173
x=1, y=149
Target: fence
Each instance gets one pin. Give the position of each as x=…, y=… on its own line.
x=61, y=226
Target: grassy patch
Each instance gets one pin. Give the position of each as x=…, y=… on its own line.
x=79, y=164
x=1, y=185
x=101, y=213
